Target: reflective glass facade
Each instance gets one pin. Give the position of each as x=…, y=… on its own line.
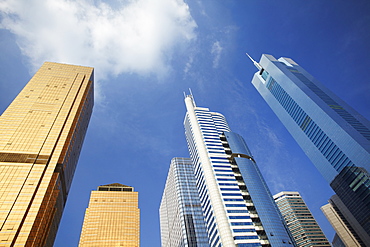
x=41, y=135
x=238, y=207
x=333, y=135
x=112, y=218
x=181, y=216
x=346, y=226
x=302, y=225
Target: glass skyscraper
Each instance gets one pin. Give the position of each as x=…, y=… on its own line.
x=41, y=136
x=348, y=231
x=301, y=223
x=237, y=205
x=181, y=215
x=112, y=218
x=333, y=135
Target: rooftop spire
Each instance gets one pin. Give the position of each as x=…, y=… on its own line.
x=259, y=67
x=190, y=96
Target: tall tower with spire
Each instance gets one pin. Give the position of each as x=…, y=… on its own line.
x=332, y=134
x=237, y=205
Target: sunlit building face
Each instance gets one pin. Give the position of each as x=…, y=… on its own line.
x=41, y=135
x=112, y=218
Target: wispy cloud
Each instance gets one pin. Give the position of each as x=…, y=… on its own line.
x=137, y=36
x=188, y=64
x=216, y=51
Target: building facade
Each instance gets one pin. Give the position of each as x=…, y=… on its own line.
x=332, y=134
x=301, y=223
x=112, y=218
x=181, y=216
x=238, y=207
x=347, y=229
x=41, y=135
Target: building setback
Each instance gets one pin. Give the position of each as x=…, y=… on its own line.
x=41, y=135
x=237, y=205
x=302, y=225
x=112, y=218
x=332, y=134
x=181, y=215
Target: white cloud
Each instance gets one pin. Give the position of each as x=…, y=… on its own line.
x=216, y=51
x=135, y=36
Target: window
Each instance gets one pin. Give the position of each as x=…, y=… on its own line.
x=233, y=200
x=264, y=74
x=237, y=211
x=235, y=205
x=243, y=230
x=245, y=237
x=239, y=217
x=231, y=194
x=241, y=223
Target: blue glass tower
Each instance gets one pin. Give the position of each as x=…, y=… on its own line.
x=332, y=134
x=238, y=207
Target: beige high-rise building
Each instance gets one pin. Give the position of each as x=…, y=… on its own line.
x=41, y=134
x=112, y=218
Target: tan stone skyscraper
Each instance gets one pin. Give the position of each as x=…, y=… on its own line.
x=41, y=135
x=112, y=218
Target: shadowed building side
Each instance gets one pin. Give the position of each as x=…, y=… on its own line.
x=348, y=231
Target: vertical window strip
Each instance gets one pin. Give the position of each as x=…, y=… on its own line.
x=357, y=125
x=322, y=142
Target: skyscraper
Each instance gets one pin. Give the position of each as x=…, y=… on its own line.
x=302, y=225
x=112, y=218
x=181, y=215
x=238, y=207
x=346, y=227
x=333, y=135
x=41, y=135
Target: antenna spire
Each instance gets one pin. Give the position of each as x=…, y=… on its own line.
x=192, y=97
x=259, y=67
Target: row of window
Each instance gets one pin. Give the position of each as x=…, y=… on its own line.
x=204, y=197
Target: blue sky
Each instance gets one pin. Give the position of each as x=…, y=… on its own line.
x=146, y=53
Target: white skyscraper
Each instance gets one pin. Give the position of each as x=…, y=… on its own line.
x=238, y=207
